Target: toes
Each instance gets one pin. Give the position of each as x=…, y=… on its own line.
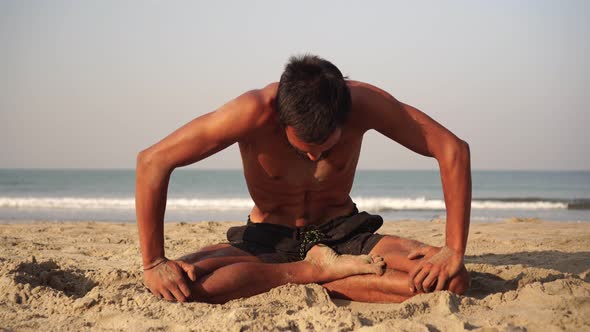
x=366, y=258
x=381, y=266
x=377, y=267
x=376, y=258
x=372, y=258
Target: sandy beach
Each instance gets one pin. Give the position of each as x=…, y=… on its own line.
x=528, y=275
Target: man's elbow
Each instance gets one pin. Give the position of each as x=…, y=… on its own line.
x=464, y=150
x=143, y=158
x=457, y=153
x=149, y=159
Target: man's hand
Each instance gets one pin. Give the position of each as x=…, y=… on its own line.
x=167, y=279
x=436, y=267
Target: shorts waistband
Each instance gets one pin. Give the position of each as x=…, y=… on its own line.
x=298, y=233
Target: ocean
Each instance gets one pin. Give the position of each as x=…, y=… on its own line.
x=197, y=195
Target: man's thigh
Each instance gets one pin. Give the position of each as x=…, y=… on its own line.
x=211, y=258
x=395, y=250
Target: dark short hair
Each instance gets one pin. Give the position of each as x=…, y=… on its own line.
x=313, y=98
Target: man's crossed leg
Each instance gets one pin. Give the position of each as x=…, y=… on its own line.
x=224, y=272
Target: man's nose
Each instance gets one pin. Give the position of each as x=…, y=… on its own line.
x=314, y=157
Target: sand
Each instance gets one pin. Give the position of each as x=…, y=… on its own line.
x=528, y=275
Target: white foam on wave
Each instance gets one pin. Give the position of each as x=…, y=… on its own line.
x=421, y=203
x=220, y=204
x=375, y=204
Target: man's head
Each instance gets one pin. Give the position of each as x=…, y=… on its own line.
x=313, y=100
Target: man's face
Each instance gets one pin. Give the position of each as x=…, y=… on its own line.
x=310, y=150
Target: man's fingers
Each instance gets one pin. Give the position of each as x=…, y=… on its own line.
x=420, y=278
x=430, y=279
x=442, y=280
x=177, y=293
x=412, y=275
x=186, y=291
x=167, y=295
x=190, y=270
x=153, y=292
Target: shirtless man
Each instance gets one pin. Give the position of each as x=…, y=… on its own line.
x=300, y=141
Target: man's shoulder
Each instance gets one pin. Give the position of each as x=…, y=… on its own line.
x=254, y=109
x=257, y=103
x=262, y=96
x=363, y=92
x=368, y=100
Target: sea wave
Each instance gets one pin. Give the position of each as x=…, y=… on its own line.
x=421, y=203
x=376, y=204
x=220, y=204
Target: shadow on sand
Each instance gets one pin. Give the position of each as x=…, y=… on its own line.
x=72, y=283
x=565, y=262
x=484, y=284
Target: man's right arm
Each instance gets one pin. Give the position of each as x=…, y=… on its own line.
x=195, y=141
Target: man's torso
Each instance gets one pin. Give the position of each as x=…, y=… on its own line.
x=288, y=188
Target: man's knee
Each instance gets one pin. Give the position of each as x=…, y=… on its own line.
x=211, y=258
x=394, y=244
x=203, y=253
x=460, y=283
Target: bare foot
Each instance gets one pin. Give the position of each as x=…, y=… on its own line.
x=333, y=266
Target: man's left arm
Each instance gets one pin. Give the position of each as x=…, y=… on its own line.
x=420, y=133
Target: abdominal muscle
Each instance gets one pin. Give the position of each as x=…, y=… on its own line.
x=292, y=191
x=297, y=214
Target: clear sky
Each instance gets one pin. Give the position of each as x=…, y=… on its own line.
x=88, y=84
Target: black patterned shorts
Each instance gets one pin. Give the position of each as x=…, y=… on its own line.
x=353, y=235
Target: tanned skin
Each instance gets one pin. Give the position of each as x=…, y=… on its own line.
x=293, y=183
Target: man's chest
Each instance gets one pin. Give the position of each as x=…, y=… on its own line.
x=275, y=162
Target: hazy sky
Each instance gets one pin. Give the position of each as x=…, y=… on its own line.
x=87, y=84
